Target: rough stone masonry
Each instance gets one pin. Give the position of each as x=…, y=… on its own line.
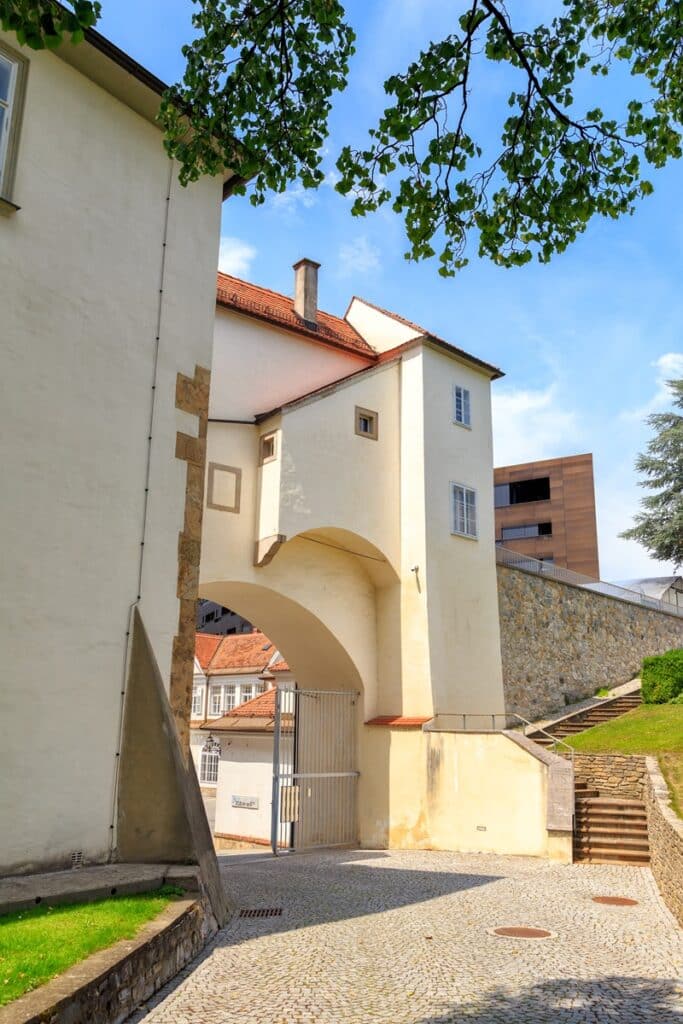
x=560, y=643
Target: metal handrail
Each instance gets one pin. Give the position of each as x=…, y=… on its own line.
x=544, y=732
x=526, y=563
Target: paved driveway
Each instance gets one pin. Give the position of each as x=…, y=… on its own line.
x=403, y=938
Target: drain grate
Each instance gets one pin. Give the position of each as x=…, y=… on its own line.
x=522, y=932
x=615, y=901
x=261, y=912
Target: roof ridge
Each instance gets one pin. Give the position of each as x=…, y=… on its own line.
x=390, y=313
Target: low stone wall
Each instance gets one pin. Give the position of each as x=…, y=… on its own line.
x=561, y=643
x=621, y=775
x=110, y=985
x=665, y=832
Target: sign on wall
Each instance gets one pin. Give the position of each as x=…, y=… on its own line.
x=247, y=803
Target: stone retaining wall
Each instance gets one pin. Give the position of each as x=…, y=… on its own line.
x=110, y=985
x=665, y=831
x=561, y=643
x=621, y=775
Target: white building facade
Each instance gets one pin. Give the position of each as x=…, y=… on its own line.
x=349, y=514
x=107, y=278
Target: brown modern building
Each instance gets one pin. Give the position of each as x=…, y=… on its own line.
x=547, y=510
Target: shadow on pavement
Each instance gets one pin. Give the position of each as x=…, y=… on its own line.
x=336, y=887
x=621, y=1000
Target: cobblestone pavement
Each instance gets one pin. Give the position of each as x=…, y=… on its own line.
x=403, y=938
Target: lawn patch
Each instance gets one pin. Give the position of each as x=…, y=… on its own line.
x=38, y=944
x=655, y=729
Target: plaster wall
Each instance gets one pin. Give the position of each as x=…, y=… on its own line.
x=331, y=476
x=468, y=792
x=245, y=770
x=464, y=636
x=379, y=330
x=80, y=272
x=275, y=367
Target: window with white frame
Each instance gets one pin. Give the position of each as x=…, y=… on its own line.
x=208, y=762
x=229, y=698
x=461, y=406
x=11, y=73
x=197, y=701
x=464, y=510
x=215, y=700
x=247, y=693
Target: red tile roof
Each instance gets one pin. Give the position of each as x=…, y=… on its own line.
x=279, y=666
x=206, y=645
x=262, y=706
x=278, y=309
x=238, y=653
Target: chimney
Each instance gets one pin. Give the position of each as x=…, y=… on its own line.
x=306, y=290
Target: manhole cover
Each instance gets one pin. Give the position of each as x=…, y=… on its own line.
x=522, y=932
x=261, y=912
x=615, y=901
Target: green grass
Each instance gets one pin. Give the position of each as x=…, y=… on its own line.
x=38, y=944
x=602, y=692
x=649, y=729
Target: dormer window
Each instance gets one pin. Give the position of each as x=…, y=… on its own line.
x=367, y=423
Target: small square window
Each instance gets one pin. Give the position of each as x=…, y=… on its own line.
x=267, y=448
x=461, y=406
x=367, y=423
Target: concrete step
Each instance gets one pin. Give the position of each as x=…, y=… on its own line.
x=614, y=801
x=613, y=856
x=612, y=842
x=634, y=862
x=598, y=835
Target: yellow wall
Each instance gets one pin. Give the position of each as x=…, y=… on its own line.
x=468, y=792
x=80, y=269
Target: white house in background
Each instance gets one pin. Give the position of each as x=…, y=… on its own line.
x=349, y=514
x=660, y=588
x=107, y=300
x=239, y=753
x=229, y=671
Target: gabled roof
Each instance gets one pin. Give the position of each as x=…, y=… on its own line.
x=425, y=335
x=236, y=654
x=275, y=308
x=255, y=715
x=206, y=645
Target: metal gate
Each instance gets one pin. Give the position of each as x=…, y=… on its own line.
x=315, y=780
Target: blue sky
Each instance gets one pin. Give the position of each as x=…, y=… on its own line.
x=586, y=342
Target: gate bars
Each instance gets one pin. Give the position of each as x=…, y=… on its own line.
x=315, y=779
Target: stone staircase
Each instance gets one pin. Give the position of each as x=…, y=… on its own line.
x=579, y=721
x=609, y=830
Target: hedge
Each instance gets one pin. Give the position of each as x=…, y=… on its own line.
x=662, y=677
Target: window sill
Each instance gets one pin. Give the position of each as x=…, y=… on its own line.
x=465, y=426
x=7, y=207
x=467, y=536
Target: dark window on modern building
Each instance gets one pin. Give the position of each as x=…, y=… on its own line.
x=521, y=491
x=529, y=530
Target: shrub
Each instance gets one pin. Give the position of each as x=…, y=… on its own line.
x=662, y=677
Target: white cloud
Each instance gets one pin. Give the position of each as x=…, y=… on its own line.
x=293, y=198
x=358, y=257
x=669, y=367
x=235, y=256
x=531, y=424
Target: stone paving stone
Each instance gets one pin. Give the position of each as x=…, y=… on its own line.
x=400, y=937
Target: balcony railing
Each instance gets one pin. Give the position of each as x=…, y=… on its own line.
x=518, y=560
